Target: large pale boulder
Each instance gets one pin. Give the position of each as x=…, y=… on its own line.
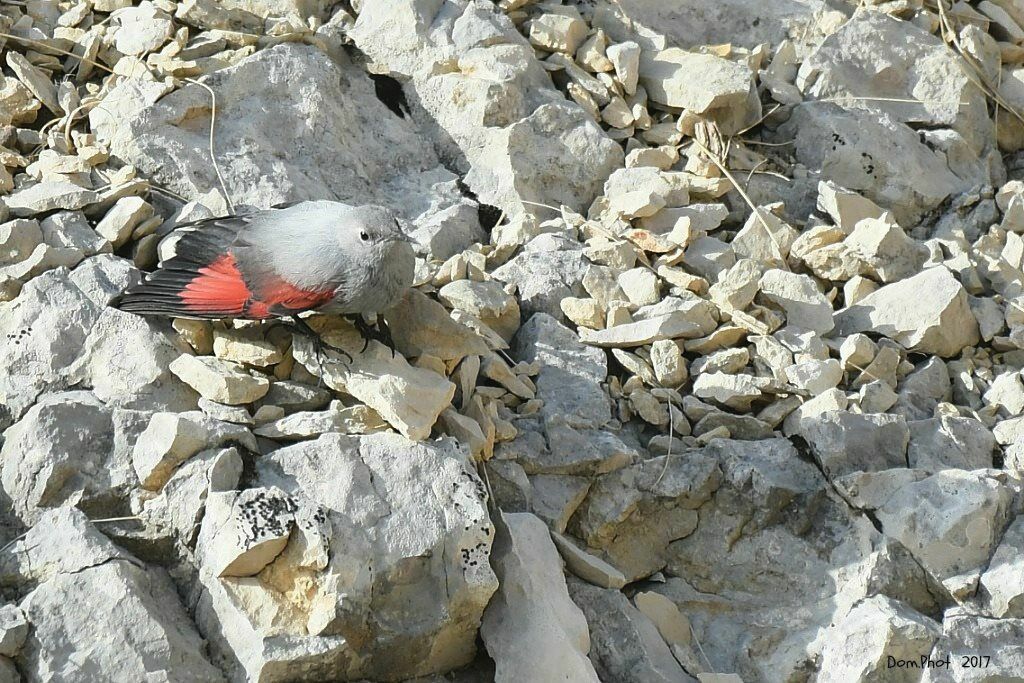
x=532, y=611
x=876, y=631
x=350, y=558
x=702, y=83
x=333, y=138
x=63, y=451
x=487, y=102
x=878, y=156
x=928, y=313
x=950, y=521
x=879, y=63
x=98, y=610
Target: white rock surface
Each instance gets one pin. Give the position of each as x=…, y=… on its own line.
x=874, y=633
x=172, y=438
x=799, y=297
x=377, y=519
x=532, y=612
x=724, y=89
x=928, y=312
x=408, y=397
x=1001, y=583
x=600, y=322
x=98, y=599
x=219, y=380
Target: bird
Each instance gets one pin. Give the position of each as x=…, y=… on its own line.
x=323, y=256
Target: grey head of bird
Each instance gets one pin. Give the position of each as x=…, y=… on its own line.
x=370, y=229
x=372, y=260
x=326, y=237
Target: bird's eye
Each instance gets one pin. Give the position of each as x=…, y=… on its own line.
x=364, y=236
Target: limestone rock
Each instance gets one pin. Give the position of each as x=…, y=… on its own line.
x=561, y=31
x=722, y=561
x=845, y=207
x=801, y=299
x=126, y=359
x=307, y=424
x=141, y=29
x=420, y=325
x=172, y=438
x=13, y=630
x=487, y=301
x=885, y=251
x=1001, y=583
x=117, y=224
x=847, y=68
x=723, y=92
x=617, y=516
x=244, y=531
x=875, y=155
x=525, y=142
x=732, y=391
x=532, y=611
x=544, y=277
x=177, y=511
x=590, y=568
x=62, y=452
x=844, y=442
x=928, y=312
x=325, y=141
x=63, y=541
x=875, y=632
x=36, y=80
x=383, y=528
x=408, y=397
x=625, y=57
x=219, y=380
x=626, y=645
x=668, y=363
x=947, y=442
x=969, y=635
x=47, y=196
x=243, y=346
x=954, y=544
x=96, y=597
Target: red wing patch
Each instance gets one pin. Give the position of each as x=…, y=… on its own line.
x=219, y=288
x=280, y=295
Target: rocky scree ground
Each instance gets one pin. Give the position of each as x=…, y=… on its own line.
x=712, y=370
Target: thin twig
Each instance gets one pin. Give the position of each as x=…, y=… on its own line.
x=742, y=192
x=761, y=120
x=671, y=438
x=768, y=144
x=104, y=67
x=13, y=541
x=699, y=647
x=949, y=36
x=213, y=155
x=754, y=170
x=840, y=99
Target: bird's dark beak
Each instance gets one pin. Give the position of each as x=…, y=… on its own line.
x=402, y=237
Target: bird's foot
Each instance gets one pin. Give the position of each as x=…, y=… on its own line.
x=381, y=332
x=319, y=345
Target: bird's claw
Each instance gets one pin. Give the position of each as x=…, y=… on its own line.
x=381, y=333
x=319, y=345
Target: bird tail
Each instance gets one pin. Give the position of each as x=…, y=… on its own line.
x=202, y=280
